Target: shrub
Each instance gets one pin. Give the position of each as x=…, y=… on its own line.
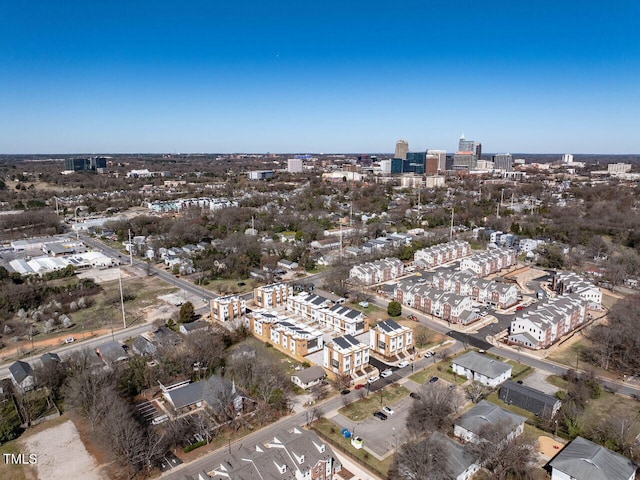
x=193, y=446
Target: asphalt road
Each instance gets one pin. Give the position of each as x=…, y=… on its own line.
x=89, y=344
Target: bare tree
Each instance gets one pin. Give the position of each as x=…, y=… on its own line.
x=421, y=459
x=90, y=394
x=476, y=391
x=504, y=455
x=433, y=410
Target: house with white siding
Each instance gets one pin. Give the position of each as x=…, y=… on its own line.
x=482, y=368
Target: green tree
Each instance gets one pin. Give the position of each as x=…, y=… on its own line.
x=187, y=313
x=394, y=309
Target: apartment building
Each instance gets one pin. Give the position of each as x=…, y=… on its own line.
x=225, y=309
x=273, y=295
x=285, y=333
x=307, y=305
x=551, y=320
x=568, y=282
x=491, y=261
x=343, y=320
x=466, y=283
x=450, y=307
x=442, y=253
x=376, y=272
x=390, y=339
x=346, y=355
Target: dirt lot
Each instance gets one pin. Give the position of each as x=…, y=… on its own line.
x=62, y=455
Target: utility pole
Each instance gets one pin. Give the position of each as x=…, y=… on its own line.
x=124, y=319
x=451, y=230
x=130, y=249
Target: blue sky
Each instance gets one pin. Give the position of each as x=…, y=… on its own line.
x=329, y=76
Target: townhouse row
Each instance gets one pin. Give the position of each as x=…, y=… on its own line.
x=548, y=322
x=377, y=272
x=442, y=253
x=491, y=261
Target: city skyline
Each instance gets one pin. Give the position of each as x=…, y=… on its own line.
x=330, y=77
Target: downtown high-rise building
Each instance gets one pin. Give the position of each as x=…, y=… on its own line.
x=437, y=157
x=503, y=161
x=402, y=147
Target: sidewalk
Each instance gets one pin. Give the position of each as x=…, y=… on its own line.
x=358, y=472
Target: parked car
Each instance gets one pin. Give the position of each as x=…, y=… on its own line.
x=359, y=386
x=403, y=364
x=380, y=415
x=387, y=410
x=428, y=355
x=373, y=379
x=346, y=391
x=519, y=307
x=69, y=340
x=433, y=379
x=412, y=317
x=414, y=395
x=386, y=373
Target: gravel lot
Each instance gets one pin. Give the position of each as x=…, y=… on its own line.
x=61, y=454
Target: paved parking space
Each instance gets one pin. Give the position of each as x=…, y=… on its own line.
x=378, y=435
x=537, y=380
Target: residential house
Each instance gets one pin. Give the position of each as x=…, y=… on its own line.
x=377, y=272
x=112, y=352
x=482, y=368
x=215, y=392
x=287, y=264
x=193, y=327
x=585, y=460
x=143, y=346
x=548, y=322
x=295, y=454
x=228, y=308
x=391, y=340
x=243, y=351
x=469, y=427
x=273, y=295
x=50, y=358
x=530, y=399
x=346, y=355
x=309, y=377
x=22, y=376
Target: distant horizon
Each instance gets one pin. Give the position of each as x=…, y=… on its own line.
x=255, y=76
x=303, y=153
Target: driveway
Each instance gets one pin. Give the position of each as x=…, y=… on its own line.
x=537, y=380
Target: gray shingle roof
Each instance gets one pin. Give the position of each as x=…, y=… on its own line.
x=310, y=374
x=458, y=459
x=482, y=364
x=485, y=413
x=208, y=390
x=20, y=371
x=584, y=460
x=528, y=398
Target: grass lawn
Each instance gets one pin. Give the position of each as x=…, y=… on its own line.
x=437, y=370
x=365, y=407
x=331, y=432
x=228, y=286
x=15, y=472
x=519, y=370
x=370, y=310
x=558, y=381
